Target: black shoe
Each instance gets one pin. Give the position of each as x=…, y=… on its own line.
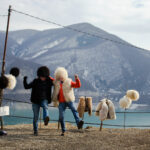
x=46, y=121
x=63, y=134
x=36, y=133
x=2, y=133
x=80, y=124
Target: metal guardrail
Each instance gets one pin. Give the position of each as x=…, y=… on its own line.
x=88, y=123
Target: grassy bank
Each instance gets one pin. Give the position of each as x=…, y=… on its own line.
x=21, y=137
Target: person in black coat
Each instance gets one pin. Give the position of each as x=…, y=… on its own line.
x=40, y=95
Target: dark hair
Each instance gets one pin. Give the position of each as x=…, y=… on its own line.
x=43, y=71
x=15, y=71
x=3, y=82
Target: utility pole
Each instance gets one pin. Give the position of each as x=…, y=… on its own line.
x=3, y=62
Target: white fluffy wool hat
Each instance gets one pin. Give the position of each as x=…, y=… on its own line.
x=125, y=102
x=11, y=81
x=133, y=95
x=61, y=72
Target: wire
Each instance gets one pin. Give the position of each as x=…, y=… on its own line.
x=3, y=15
x=89, y=123
x=12, y=100
x=76, y=30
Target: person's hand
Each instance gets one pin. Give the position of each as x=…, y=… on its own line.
x=76, y=76
x=25, y=77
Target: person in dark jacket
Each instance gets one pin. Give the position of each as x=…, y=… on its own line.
x=40, y=95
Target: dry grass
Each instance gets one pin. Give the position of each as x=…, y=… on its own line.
x=21, y=137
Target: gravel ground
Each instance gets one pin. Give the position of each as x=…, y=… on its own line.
x=20, y=137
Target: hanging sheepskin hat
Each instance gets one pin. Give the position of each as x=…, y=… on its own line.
x=11, y=81
x=43, y=72
x=111, y=109
x=81, y=106
x=105, y=110
x=125, y=102
x=88, y=107
x=85, y=105
x=3, y=82
x=15, y=71
x=133, y=95
x=98, y=108
x=61, y=72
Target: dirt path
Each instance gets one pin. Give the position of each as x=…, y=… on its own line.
x=21, y=137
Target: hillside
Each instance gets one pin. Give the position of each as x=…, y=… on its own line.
x=20, y=137
x=105, y=67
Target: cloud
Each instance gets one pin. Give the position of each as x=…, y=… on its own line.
x=121, y=17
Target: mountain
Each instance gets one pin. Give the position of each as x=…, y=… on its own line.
x=105, y=67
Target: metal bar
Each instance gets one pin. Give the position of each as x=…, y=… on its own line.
x=3, y=62
x=40, y=118
x=58, y=124
x=7, y=99
x=24, y=117
x=94, y=123
x=83, y=116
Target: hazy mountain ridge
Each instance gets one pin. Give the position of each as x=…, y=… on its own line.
x=105, y=66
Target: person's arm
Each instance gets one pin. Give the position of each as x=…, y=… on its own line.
x=77, y=83
x=26, y=85
x=51, y=78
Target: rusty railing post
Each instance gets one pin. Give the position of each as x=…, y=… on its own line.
x=3, y=62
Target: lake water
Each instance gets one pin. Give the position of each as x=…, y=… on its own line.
x=132, y=119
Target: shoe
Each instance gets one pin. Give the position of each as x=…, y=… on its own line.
x=63, y=134
x=2, y=133
x=36, y=133
x=80, y=124
x=46, y=121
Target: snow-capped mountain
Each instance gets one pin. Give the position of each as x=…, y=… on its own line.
x=106, y=68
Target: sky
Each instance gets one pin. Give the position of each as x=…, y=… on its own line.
x=128, y=19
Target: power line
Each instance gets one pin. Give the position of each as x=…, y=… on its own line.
x=3, y=15
x=76, y=30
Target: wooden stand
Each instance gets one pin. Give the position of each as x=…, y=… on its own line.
x=40, y=118
x=101, y=126
x=58, y=124
x=3, y=62
x=124, y=119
